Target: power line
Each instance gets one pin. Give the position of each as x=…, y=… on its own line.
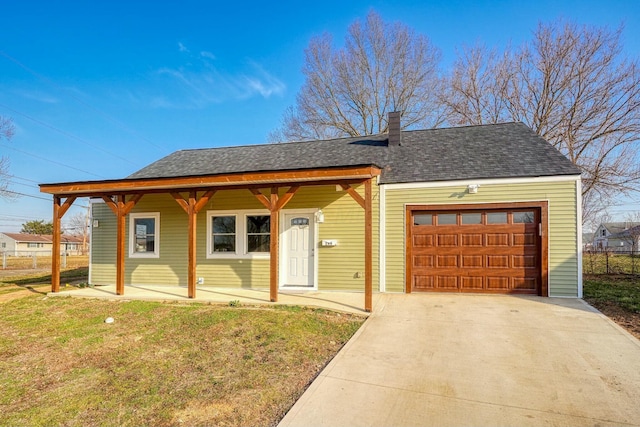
x=49, y=160
x=67, y=134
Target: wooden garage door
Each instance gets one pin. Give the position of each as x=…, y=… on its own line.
x=488, y=250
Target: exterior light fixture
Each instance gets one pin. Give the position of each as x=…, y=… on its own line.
x=319, y=217
x=472, y=188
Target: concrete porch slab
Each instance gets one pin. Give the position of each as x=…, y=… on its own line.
x=348, y=302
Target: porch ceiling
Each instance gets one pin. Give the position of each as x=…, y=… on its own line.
x=323, y=176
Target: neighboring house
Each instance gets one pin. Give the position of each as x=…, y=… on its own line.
x=587, y=241
x=611, y=236
x=491, y=208
x=22, y=244
x=627, y=240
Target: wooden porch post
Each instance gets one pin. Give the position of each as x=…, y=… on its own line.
x=121, y=208
x=192, y=207
x=120, y=242
x=368, y=246
x=274, y=246
x=55, y=251
x=274, y=204
x=59, y=209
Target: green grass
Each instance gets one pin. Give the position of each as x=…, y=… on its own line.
x=159, y=364
x=621, y=290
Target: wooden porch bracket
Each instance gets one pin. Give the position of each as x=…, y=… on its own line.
x=274, y=204
x=59, y=209
x=354, y=194
x=121, y=207
x=192, y=207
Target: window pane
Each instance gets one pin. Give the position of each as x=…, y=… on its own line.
x=523, y=217
x=422, y=219
x=258, y=243
x=145, y=244
x=258, y=224
x=496, y=218
x=145, y=230
x=224, y=243
x=224, y=224
x=472, y=218
x=447, y=219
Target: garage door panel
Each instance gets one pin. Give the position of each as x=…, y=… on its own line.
x=497, y=261
x=423, y=241
x=447, y=282
x=475, y=283
x=423, y=261
x=472, y=240
x=524, y=239
x=495, y=239
x=524, y=261
x=422, y=282
x=472, y=254
x=447, y=261
x=472, y=261
x=447, y=240
x=497, y=283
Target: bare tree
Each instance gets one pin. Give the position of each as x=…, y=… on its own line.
x=6, y=132
x=349, y=91
x=78, y=225
x=572, y=86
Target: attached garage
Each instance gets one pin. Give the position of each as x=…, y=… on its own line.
x=490, y=248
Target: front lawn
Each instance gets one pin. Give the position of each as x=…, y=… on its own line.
x=159, y=364
x=617, y=296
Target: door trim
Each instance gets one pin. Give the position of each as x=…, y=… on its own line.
x=283, y=248
x=543, y=205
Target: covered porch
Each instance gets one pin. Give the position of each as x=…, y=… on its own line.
x=273, y=190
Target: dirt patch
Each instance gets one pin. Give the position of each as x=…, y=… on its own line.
x=628, y=320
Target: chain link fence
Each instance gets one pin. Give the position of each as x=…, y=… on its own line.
x=603, y=261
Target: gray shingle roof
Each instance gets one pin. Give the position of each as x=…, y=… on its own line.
x=471, y=152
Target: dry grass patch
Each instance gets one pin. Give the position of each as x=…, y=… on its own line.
x=159, y=364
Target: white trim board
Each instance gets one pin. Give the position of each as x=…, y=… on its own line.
x=491, y=181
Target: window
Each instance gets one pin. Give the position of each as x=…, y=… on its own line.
x=471, y=218
x=144, y=230
x=224, y=233
x=496, y=218
x=422, y=219
x=447, y=219
x=523, y=217
x=258, y=233
x=4, y=244
x=35, y=245
x=238, y=234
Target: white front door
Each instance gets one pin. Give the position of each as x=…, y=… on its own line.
x=299, y=248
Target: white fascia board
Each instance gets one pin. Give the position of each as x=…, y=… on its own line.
x=382, y=240
x=579, y=233
x=490, y=181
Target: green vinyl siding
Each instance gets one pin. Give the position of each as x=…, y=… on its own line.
x=339, y=268
x=562, y=217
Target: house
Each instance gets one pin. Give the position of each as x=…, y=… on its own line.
x=492, y=208
x=627, y=240
x=23, y=244
x=614, y=236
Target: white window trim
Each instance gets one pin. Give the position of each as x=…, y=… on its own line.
x=132, y=233
x=241, y=235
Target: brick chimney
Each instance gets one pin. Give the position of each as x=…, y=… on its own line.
x=395, y=136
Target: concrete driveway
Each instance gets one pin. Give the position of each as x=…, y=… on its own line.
x=474, y=360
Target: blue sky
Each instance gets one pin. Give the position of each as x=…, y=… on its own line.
x=98, y=90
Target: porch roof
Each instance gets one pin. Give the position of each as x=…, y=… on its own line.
x=318, y=176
